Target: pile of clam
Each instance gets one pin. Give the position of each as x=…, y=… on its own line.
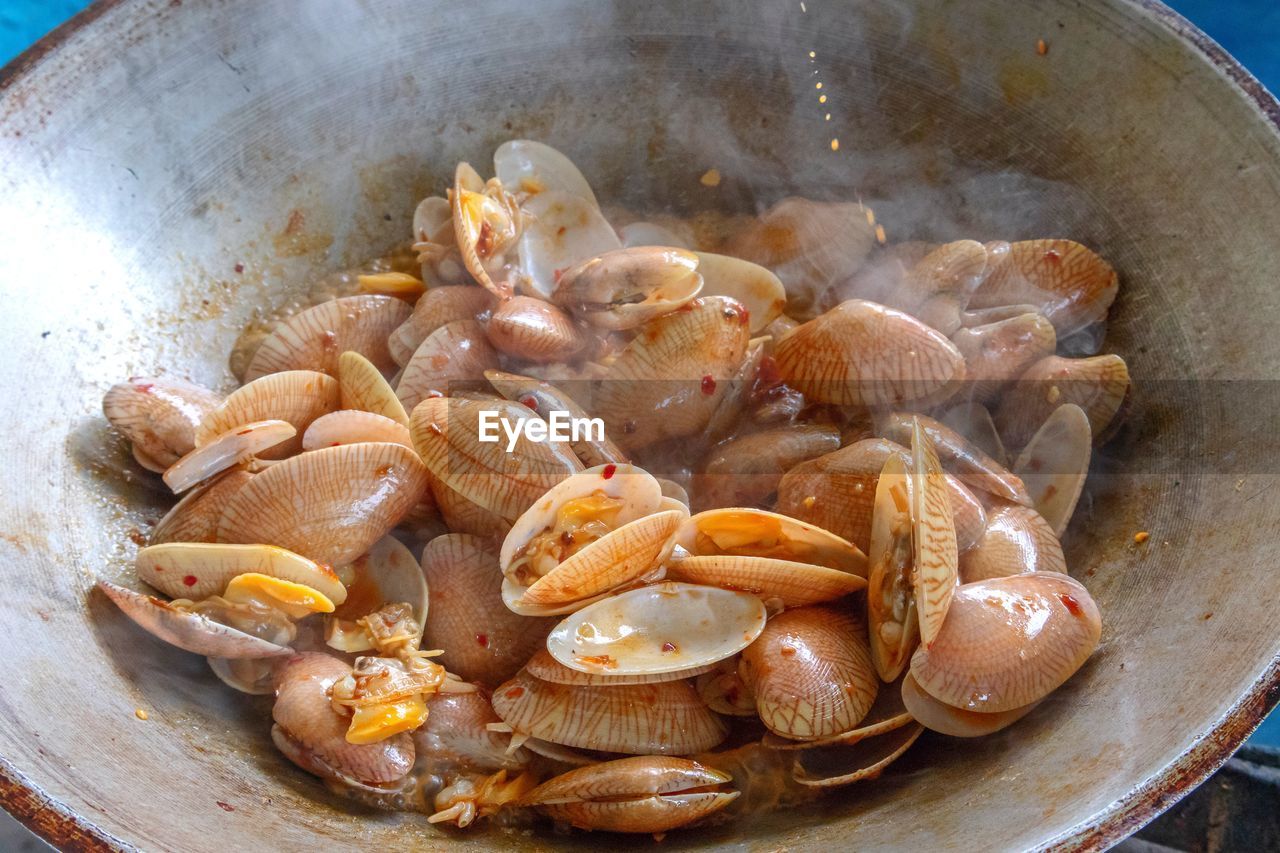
x=824, y=513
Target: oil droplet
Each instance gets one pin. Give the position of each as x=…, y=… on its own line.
x=822, y=99
x=711, y=178
x=828, y=117
x=812, y=55
x=818, y=85
x=141, y=714
x=835, y=145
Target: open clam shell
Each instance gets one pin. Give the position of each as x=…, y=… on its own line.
x=453, y=355
x=563, y=230
x=1099, y=385
x=955, y=722
x=483, y=641
x=446, y=433
x=1066, y=282
x=544, y=666
x=545, y=398
x=362, y=387
x=811, y=672
x=438, y=307
x=662, y=628
x=313, y=339
x=331, y=504
x=891, y=603
x=965, y=459
x=935, y=559
x=626, y=288
x=789, y=583
x=236, y=445
x=159, y=416
x=486, y=222
x=667, y=718
x=1017, y=540
x=197, y=570
x=526, y=166
x=386, y=574
x=297, y=397
x=997, y=353
x=741, y=531
x=193, y=632
x=1009, y=642
x=195, y=517
x=759, y=290
x=350, y=426
x=1055, y=463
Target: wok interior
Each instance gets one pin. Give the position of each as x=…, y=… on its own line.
x=297, y=145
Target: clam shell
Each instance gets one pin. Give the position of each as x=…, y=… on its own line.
x=482, y=640
x=734, y=399
x=755, y=532
x=1098, y=385
x=626, y=288
x=944, y=719
x=533, y=330
x=463, y=516
x=385, y=574
x=973, y=422
x=362, y=387
x=297, y=397
x=670, y=378
x=966, y=460
x=666, y=718
x=746, y=470
x=997, y=353
x=663, y=628
x=330, y=504
x=192, y=632
x=864, y=354
x=564, y=229
x=725, y=692
x=1017, y=540
x=1009, y=642
x=546, y=668
x=791, y=583
x=486, y=221
x=760, y=291
x=438, y=307
x=158, y=416
x=811, y=673
x=1055, y=463
x=887, y=714
x=253, y=676
x=433, y=220
x=937, y=287
x=891, y=604
x=353, y=427
x=526, y=166
x=935, y=559
x=313, y=339
x=545, y=398
x=456, y=732
x=636, y=234
x=833, y=766
x=446, y=434
x=195, y=517
x=454, y=355
x=236, y=445
x=1068, y=283
x=198, y=570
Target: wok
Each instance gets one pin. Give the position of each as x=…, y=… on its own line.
x=169, y=166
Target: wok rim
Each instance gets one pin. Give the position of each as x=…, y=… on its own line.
x=60, y=825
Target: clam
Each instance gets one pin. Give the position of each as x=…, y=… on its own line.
x=590, y=534
x=669, y=380
x=759, y=291
x=811, y=673
x=626, y=288
x=864, y=354
x=740, y=386
x=973, y=422
x=533, y=330
x=746, y=470
x=313, y=339
x=938, y=286
x=487, y=223
x=195, y=517
x=662, y=628
x=811, y=246
x=226, y=450
x=935, y=555
x=545, y=398
x=446, y=433
x=454, y=355
x=254, y=676
x=483, y=641
x=330, y=504
x=158, y=416
x=1098, y=385
x=362, y=387
x=779, y=582
x=956, y=722
x=193, y=632
x=837, y=493
x=1055, y=463
x=1017, y=540
x=525, y=166
x=297, y=397
x=386, y=574
x=647, y=794
x=456, y=735
x=1067, y=283
x=886, y=714
x=833, y=766
x=996, y=353
x=438, y=307
x=461, y=515
x=725, y=691
x=564, y=229
x=197, y=570
x=543, y=666
x=666, y=718
x=353, y=427
x=966, y=460
x=1009, y=642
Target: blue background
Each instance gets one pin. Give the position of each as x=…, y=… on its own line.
x=1248, y=29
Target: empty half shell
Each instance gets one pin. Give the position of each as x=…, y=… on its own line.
x=313, y=339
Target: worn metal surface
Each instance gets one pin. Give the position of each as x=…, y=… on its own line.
x=151, y=147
